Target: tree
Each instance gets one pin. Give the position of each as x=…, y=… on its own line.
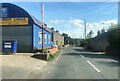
x=114, y=38
x=90, y=34
x=66, y=38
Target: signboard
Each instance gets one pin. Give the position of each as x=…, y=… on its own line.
x=14, y=21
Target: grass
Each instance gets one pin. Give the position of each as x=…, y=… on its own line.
x=52, y=56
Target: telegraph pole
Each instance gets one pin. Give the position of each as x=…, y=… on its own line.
x=85, y=29
x=42, y=25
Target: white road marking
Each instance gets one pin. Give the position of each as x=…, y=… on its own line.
x=90, y=63
x=116, y=61
x=93, y=66
x=66, y=45
x=77, y=52
x=59, y=56
x=82, y=56
x=48, y=72
x=53, y=62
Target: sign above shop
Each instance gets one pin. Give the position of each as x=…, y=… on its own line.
x=14, y=21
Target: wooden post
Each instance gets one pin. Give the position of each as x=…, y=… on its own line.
x=42, y=26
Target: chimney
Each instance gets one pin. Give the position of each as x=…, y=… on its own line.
x=52, y=29
x=103, y=30
x=45, y=24
x=98, y=32
x=57, y=31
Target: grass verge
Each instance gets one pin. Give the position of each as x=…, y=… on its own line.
x=53, y=56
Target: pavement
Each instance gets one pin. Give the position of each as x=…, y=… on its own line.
x=21, y=66
x=77, y=63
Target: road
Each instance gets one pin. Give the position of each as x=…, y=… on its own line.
x=77, y=63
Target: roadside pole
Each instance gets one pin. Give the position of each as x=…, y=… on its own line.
x=85, y=29
x=42, y=26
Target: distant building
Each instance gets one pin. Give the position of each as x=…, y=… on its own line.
x=57, y=39
x=100, y=42
x=76, y=41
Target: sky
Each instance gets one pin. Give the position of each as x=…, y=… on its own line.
x=69, y=17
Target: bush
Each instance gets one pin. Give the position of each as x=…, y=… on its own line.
x=114, y=38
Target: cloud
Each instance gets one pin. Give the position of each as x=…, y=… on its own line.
x=75, y=27
x=57, y=21
x=109, y=22
x=101, y=25
x=76, y=22
x=73, y=22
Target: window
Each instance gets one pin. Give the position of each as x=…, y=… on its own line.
x=39, y=38
x=56, y=42
x=45, y=38
x=48, y=39
x=4, y=12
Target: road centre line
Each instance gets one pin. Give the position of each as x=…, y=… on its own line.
x=82, y=56
x=77, y=52
x=90, y=63
x=59, y=55
x=93, y=66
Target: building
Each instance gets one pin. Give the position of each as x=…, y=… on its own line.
x=57, y=39
x=100, y=42
x=76, y=41
x=19, y=25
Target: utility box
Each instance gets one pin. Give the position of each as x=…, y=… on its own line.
x=9, y=47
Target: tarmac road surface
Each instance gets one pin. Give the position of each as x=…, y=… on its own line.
x=77, y=63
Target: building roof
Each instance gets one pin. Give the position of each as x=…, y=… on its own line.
x=20, y=12
x=53, y=31
x=101, y=36
x=36, y=21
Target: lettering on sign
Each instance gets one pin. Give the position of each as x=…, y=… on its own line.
x=13, y=21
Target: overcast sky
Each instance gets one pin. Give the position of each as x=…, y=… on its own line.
x=68, y=17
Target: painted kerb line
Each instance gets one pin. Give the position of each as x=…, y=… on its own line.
x=93, y=66
x=59, y=56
